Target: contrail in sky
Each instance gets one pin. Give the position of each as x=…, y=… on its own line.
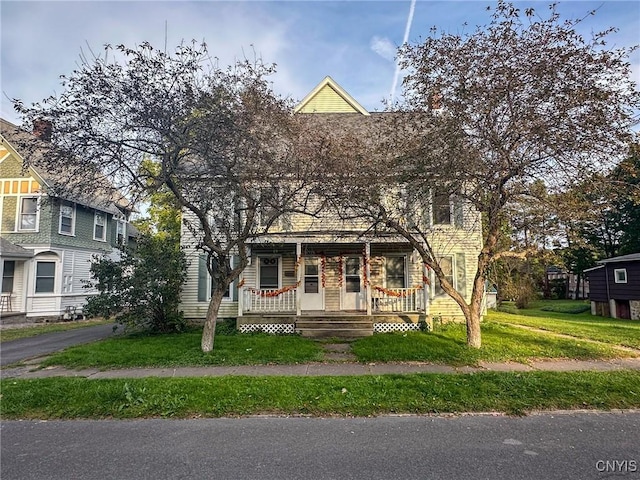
x=404, y=40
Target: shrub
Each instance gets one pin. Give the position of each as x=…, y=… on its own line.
x=141, y=288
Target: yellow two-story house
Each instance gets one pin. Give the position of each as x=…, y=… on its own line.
x=323, y=275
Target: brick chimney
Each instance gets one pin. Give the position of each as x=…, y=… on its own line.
x=43, y=129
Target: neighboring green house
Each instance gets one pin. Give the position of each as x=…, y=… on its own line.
x=47, y=242
x=317, y=274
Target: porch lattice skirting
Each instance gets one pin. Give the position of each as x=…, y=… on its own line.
x=395, y=327
x=272, y=328
x=283, y=328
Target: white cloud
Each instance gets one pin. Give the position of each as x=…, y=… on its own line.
x=383, y=47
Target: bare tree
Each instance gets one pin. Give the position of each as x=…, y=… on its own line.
x=219, y=139
x=488, y=116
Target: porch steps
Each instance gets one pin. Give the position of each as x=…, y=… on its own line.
x=339, y=327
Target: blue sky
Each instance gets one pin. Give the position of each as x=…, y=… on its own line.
x=353, y=41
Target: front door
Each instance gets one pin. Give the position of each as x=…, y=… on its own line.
x=353, y=297
x=312, y=291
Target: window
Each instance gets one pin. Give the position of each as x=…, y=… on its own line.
x=227, y=292
x=8, y=272
x=268, y=209
x=67, y=217
x=100, y=226
x=311, y=275
x=28, y=213
x=269, y=273
x=395, y=272
x=620, y=275
x=441, y=208
x=446, y=264
x=45, y=277
x=352, y=274
x=120, y=232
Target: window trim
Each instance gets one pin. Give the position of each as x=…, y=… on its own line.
x=210, y=289
x=277, y=257
x=72, y=233
x=20, y=213
x=120, y=223
x=434, y=194
x=438, y=291
x=405, y=270
x=263, y=210
x=35, y=285
x=7, y=277
x=96, y=215
x=619, y=279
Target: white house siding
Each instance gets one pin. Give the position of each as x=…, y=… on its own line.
x=19, y=287
x=75, y=268
x=193, y=308
x=72, y=267
x=44, y=304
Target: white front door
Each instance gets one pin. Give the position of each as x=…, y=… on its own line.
x=353, y=297
x=312, y=297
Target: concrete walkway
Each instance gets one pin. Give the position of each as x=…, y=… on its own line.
x=320, y=369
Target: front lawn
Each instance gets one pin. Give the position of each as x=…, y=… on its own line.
x=183, y=350
x=446, y=345
x=500, y=343
x=547, y=315
x=513, y=393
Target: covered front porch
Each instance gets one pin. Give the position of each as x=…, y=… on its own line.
x=334, y=282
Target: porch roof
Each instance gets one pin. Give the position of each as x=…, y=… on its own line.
x=10, y=250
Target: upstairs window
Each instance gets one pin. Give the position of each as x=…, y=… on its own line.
x=100, y=226
x=620, y=275
x=28, y=214
x=121, y=232
x=67, y=219
x=441, y=208
x=268, y=210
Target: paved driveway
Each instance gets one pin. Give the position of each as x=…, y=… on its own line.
x=25, y=348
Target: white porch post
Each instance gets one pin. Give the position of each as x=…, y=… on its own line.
x=367, y=269
x=299, y=279
x=240, y=294
x=426, y=287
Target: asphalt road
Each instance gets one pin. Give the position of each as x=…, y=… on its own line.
x=25, y=348
x=550, y=446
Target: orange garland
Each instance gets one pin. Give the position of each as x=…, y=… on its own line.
x=393, y=293
x=323, y=274
x=275, y=293
x=365, y=263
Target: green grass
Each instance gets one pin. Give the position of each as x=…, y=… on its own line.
x=582, y=325
x=8, y=334
x=500, y=343
x=513, y=393
x=183, y=350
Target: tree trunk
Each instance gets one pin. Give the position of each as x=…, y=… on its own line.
x=209, y=330
x=473, y=318
x=473, y=311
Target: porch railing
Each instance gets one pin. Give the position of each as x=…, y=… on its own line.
x=269, y=300
x=397, y=300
